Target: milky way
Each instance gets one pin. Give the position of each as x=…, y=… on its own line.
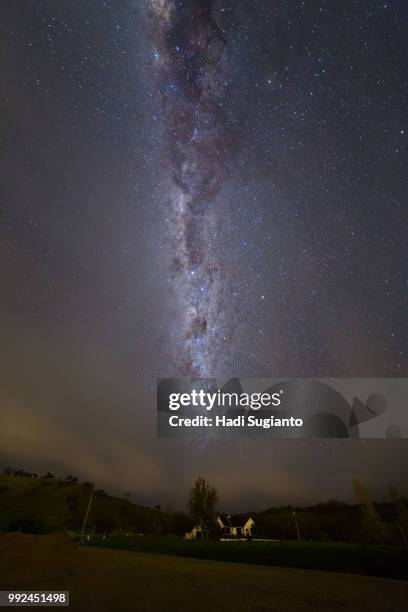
x=189, y=53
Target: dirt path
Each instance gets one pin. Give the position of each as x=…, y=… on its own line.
x=103, y=580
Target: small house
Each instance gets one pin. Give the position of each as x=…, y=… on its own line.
x=225, y=528
x=195, y=534
x=228, y=529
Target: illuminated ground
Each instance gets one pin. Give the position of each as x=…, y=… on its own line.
x=110, y=581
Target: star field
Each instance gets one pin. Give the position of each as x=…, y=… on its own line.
x=199, y=188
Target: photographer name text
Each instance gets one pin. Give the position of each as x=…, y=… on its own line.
x=238, y=421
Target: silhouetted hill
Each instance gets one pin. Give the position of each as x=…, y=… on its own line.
x=329, y=521
x=47, y=504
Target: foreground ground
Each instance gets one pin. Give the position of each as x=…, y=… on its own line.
x=113, y=581
x=378, y=561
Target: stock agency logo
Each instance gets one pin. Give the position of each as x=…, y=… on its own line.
x=294, y=408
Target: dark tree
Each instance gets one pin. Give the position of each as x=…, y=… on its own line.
x=402, y=513
x=373, y=527
x=202, y=504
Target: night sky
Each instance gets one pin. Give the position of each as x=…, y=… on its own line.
x=199, y=188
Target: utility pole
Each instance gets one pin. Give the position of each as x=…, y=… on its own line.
x=87, y=512
x=297, y=525
x=404, y=537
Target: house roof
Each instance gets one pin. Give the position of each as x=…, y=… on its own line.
x=235, y=521
x=226, y=519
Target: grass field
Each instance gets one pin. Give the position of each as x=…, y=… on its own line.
x=385, y=561
x=106, y=580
